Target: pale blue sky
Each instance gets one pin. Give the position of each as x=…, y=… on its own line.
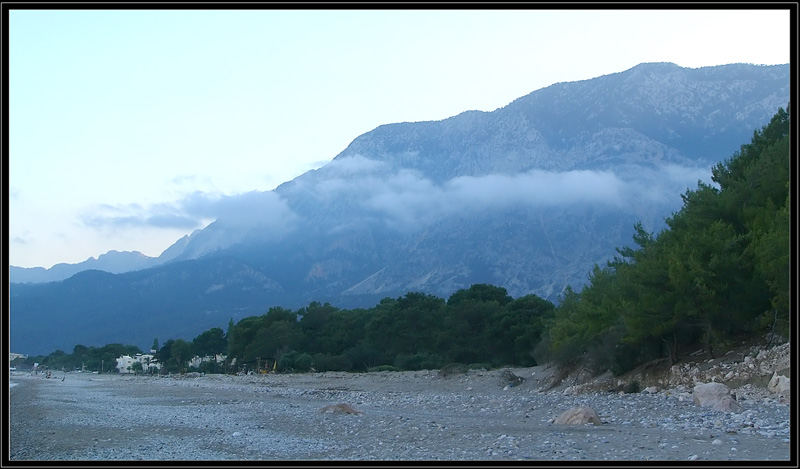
x=117, y=118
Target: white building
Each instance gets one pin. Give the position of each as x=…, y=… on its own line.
x=196, y=361
x=148, y=361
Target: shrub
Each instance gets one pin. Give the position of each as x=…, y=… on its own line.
x=295, y=361
x=383, y=368
x=411, y=362
x=632, y=388
x=452, y=369
x=480, y=366
x=326, y=362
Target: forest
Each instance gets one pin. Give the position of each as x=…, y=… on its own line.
x=716, y=275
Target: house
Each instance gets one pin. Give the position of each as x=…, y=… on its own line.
x=125, y=363
x=196, y=361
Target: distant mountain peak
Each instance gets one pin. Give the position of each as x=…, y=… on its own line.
x=528, y=197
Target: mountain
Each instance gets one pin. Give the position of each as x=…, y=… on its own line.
x=113, y=261
x=528, y=197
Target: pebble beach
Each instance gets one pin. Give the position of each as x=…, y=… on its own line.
x=403, y=416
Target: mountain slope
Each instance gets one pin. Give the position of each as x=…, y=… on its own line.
x=528, y=197
x=114, y=262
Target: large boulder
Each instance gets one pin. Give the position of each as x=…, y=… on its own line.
x=779, y=384
x=710, y=394
x=727, y=404
x=578, y=416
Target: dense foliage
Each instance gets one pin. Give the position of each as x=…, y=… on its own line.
x=101, y=359
x=481, y=324
x=718, y=273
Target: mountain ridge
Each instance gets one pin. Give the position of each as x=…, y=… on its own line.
x=527, y=197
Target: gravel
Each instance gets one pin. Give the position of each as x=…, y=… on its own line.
x=407, y=416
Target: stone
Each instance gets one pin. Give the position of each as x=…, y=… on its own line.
x=510, y=379
x=651, y=389
x=727, y=404
x=579, y=415
x=342, y=409
x=779, y=384
x=709, y=394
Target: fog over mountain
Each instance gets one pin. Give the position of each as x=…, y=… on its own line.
x=528, y=197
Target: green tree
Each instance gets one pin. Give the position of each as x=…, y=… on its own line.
x=272, y=341
x=516, y=328
x=482, y=293
x=312, y=322
x=181, y=352
x=344, y=329
x=209, y=343
x=137, y=367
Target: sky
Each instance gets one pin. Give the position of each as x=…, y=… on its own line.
x=129, y=129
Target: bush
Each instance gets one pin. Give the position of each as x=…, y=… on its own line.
x=383, y=368
x=326, y=362
x=419, y=361
x=480, y=366
x=208, y=367
x=432, y=362
x=295, y=361
x=632, y=388
x=452, y=369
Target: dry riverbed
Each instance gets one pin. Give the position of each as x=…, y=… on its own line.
x=406, y=416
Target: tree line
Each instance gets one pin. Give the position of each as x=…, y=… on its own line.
x=718, y=273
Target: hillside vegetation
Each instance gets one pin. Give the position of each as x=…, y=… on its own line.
x=718, y=273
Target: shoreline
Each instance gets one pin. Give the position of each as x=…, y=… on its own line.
x=415, y=415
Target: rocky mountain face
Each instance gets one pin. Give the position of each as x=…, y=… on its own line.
x=528, y=197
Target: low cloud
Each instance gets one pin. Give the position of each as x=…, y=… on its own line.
x=251, y=209
x=256, y=208
x=406, y=199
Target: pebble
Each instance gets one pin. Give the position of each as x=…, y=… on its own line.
x=282, y=421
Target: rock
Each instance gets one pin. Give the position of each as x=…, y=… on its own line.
x=709, y=394
x=510, y=379
x=778, y=384
x=727, y=404
x=342, y=409
x=578, y=416
x=651, y=389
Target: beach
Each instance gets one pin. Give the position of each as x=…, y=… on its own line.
x=414, y=415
